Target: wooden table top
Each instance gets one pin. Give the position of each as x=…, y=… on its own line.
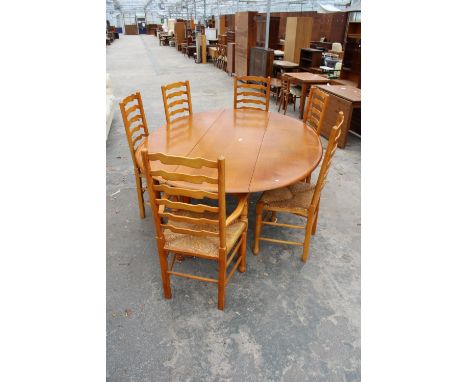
x=286, y=64
x=307, y=77
x=349, y=93
x=263, y=150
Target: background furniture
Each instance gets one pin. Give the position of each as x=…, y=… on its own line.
x=252, y=91
x=310, y=60
x=203, y=230
x=305, y=79
x=348, y=100
x=261, y=62
x=255, y=139
x=136, y=129
x=231, y=58
x=283, y=66
x=298, y=30
x=300, y=199
x=317, y=106
x=131, y=29
x=261, y=32
x=246, y=33
x=351, y=69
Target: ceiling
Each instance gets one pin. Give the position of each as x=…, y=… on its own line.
x=197, y=8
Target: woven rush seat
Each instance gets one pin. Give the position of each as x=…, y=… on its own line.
x=295, y=198
x=206, y=245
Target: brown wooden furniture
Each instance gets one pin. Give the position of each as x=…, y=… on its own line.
x=179, y=33
x=298, y=30
x=261, y=62
x=246, y=33
x=199, y=229
x=252, y=92
x=177, y=100
x=302, y=199
x=250, y=140
x=231, y=58
x=332, y=26
x=347, y=99
x=131, y=29
x=310, y=59
x=351, y=69
x=317, y=106
x=136, y=129
x=283, y=66
x=287, y=94
x=305, y=79
x=273, y=37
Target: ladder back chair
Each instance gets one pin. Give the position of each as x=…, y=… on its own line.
x=136, y=129
x=253, y=91
x=198, y=230
x=316, y=108
x=301, y=198
x=177, y=100
x=287, y=93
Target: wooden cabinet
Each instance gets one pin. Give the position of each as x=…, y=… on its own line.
x=231, y=55
x=351, y=69
x=298, y=30
x=273, y=37
x=179, y=32
x=246, y=33
x=332, y=26
x=131, y=29
x=310, y=59
x=261, y=62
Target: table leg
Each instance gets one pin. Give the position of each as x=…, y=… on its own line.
x=302, y=103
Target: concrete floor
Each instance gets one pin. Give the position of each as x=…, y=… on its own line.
x=284, y=320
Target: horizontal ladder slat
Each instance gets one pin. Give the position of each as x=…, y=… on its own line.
x=197, y=194
x=178, y=102
x=188, y=219
x=132, y=109
x=177, y=94
x=175, y=85
x=178, y=160
x=281, y=241
x=186, y=206
x=251, y=86
x=250, y=108
x=134, y=119
x=178, y=111
x=254, y=94
x=249, y=100
x=188, y=231
x=197, y=179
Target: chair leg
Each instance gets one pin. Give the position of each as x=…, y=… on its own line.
x=308, y=233
x=243, y=251
x=221, y=279
x=166, y=281
x=258, y=228
x=281, y=101
x=314, y=227
x=139, y=187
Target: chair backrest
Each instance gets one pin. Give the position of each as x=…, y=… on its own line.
x=285, y=83
x=177, y=100
x=133, y=116
x=316, y=108
x=252, y=90
x=160, y=193
x=331, y=148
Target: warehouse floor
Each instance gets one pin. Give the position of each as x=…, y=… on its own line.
x=284, y=320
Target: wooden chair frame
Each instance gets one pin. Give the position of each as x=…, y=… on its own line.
x=311, y=213
x=171, y=109
x=159, y=198
x=285, y=94
x=316, y=108
x=243, y=87
x=136, y=129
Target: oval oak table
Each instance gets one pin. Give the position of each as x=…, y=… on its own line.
x=263, y=150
